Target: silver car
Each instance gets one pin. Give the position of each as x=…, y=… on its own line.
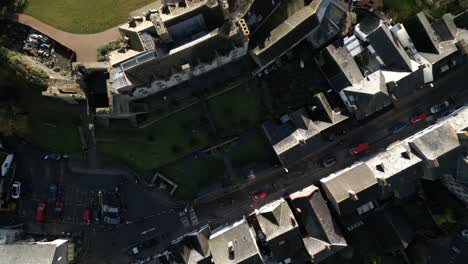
x=439, y=107
x=16, y=190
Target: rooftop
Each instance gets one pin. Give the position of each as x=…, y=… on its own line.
x=322, y=235
x=54, y=252
x=275, y=219
x=367, y=96
x=299, y=132
x=192, y=247
x=434, y=142
x=235, y=244
x=291, y=23
x=348, y=182
x=392, y=161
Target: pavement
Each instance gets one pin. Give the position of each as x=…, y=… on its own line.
x=146, y=214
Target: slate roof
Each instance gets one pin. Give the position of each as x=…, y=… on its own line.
x=392, y=161
x=434, y=142
x=278, y=224
x=54, y=252
x=422, y=34
x=340, y=67
x=389, y=50
x=390, y=229
x=244, y=247
x=368, y=95
x=322, y=235
x=355, y=178
x=270, y=45
x=281, y=34
x=192, y=248
x=295, y=139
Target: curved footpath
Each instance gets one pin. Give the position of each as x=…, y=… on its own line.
x=85, y=45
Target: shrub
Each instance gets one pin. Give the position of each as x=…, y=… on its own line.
x=106, y=49
x=32, y=74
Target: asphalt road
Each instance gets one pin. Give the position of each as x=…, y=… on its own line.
x=376, y=131
x=146, y=214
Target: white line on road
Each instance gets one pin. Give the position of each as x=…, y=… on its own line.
x=147, y=231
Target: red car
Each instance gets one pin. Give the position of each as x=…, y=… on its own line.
x=416, y=118
x=259, y=196
x=358, y=148
x=40, y=212
x=87, y=217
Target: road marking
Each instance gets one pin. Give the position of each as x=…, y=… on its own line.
x=147, y=231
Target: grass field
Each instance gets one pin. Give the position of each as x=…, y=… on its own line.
x=159, y=144
x=236, y=110
x=83, y=16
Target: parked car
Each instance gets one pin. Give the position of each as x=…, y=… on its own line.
x=398, y=127
x=40, y=212
x=327, y=162
x=258, y=196
x=419, y=117
x=53, y=155
x=87, y=216
x=58, y=208
x=52, y=193
x=16, y=190
x=112, y=219
x=439, y=107
x=358, y=148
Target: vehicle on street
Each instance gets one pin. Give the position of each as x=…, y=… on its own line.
x=460, y=241
x=419, y=117
x=358, y=148
x=398, y=127
x=112, y=219
x=16, y=190
x=40, y=212
x=451, y=112
x=87, y=216
x=439, y=107
x=329, y=161
x=53, y=156
x=258, y=196
x=110, y=209
x=52, y=193
x=58, y=208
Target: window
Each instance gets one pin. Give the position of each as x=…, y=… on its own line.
x=365, y=208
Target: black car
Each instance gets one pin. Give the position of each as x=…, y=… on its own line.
x=327, y=162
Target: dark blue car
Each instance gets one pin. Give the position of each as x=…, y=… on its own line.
x=52, y=193
x=398, y=127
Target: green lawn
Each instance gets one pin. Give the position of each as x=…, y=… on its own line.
x=236, y=110
x=204, y=171
x=252, y=150
x=83, y=16
x=159, y=144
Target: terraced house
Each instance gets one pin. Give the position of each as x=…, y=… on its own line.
x=174, y=43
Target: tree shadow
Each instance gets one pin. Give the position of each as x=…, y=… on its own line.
x=10, y=7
